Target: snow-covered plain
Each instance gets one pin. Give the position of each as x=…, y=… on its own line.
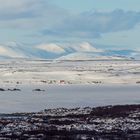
x=33, y=85
x=42, y=72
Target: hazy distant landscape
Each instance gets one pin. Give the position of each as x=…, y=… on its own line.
x=43, y=72
x=34, y=85
x=75, y=99
x=69, y=70
x=75, y=94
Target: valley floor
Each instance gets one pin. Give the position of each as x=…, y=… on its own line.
x=38, y=72
x=33, y=85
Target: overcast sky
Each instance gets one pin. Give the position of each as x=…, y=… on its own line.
x=107, y=23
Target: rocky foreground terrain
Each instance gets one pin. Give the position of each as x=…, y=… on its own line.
x=110, y=122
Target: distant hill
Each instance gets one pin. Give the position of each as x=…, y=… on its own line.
x=83, y=51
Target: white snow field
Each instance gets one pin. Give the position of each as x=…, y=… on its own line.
x=34, y=85
x=15, y=72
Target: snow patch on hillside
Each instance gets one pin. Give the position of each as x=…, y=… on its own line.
x=89, y=56
x=53, y=48
x=86, y=47
x=5, y=51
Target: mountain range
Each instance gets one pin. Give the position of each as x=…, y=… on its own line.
x=81, y=51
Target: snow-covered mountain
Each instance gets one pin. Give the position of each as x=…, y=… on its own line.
x=81, y=51
x=89, y=56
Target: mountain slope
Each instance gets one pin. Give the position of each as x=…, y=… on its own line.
x=82, y=51
x=89, y=56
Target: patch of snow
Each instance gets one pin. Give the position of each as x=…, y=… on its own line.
x=86, y=47
x=53, y=48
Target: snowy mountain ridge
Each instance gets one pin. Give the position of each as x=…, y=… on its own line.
x=81, y=51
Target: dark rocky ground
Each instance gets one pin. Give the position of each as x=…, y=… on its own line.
x=101, y=123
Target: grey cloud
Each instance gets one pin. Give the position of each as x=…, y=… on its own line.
x=29, y=13
x=94, y=24
x=53, y=21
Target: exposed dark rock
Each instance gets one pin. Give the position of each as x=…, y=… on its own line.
x=104, y=123
x=14, y=89
x=1, y=89
x=38, y=89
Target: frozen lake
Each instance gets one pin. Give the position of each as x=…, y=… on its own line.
x=68, y=96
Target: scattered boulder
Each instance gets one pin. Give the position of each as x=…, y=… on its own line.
x=14, y=89
x=1, y=89
x=38, y=89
